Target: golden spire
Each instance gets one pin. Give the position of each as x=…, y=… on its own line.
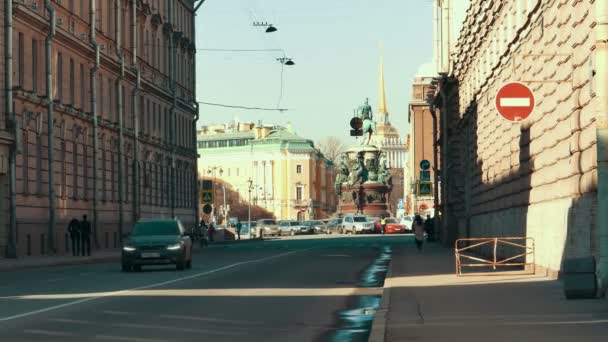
x=382, y=98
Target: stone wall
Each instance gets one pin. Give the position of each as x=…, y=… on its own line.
x=535, y=178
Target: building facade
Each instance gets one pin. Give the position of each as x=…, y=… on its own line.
x=537, y=178
x=115, y=80
x=421, y=147
x=289, y=176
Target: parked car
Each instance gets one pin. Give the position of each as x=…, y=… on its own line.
x=377, y=225
x=290, y=227
x=317, y=227
x=407, y=222
x=268, y=227
x=393, y=226
x=157, y=242
x=357, y=224
x=248, y=230
x=334, y=226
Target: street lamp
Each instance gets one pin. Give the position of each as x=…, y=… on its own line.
x=250, y=188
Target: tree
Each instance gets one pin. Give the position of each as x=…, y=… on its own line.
x=331, y=147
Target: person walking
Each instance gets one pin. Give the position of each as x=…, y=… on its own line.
x=383, y=224
x=418, y=232
x=74, y=230
x=211, y=231
x=429, y=227
x=85, y=235
x=239, y=226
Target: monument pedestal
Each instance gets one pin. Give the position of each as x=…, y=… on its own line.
x=367, y=199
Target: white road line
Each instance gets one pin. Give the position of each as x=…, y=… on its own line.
x=49, y=333
x=109, y=294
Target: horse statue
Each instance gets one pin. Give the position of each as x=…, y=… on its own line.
x=364, y=112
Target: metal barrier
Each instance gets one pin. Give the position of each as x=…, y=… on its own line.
x=526, y=244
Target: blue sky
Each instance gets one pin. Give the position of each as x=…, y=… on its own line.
x=335, y=45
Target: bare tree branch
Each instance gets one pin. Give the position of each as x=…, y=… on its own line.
x=331, y=147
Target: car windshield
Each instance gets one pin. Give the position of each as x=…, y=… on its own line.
x=269, y=222
x=360, y=219
x=390, y=220
x=156, y=228
x=294, y=223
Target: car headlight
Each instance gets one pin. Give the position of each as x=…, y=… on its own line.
x=174, y=247
x=128, y=248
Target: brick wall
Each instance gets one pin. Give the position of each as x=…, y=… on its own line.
x=536, y=178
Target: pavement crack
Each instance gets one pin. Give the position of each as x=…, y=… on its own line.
x=420, y=315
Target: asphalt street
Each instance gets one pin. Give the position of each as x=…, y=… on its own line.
x=293, y=289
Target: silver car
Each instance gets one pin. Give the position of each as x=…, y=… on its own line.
x=357, y=224
x=289, y=227
x=268, y=227
x=317, y=227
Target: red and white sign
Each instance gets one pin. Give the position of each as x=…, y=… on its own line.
x=515, y=101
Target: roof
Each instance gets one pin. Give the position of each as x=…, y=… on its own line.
x=226, y=136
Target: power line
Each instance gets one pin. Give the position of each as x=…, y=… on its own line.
x=242, y=107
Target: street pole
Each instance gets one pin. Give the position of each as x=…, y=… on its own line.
x=250, y=181
x=225, y=207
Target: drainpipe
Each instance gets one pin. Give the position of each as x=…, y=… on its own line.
x=173, y=106
x=51, y=125
x=443, y=127
x=11, y=248
x=121, y=152
x=435, y=169
x=92, y=82
x=135, y=108
x=601, y=61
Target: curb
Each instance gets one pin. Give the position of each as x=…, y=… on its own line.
x=74, y=262
x=378, y=332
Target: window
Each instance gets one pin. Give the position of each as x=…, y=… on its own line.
x=35, y=66
x=85, y=167
x=71, y=81
x=298, y=168
x=21, y=60
x=64, y=178
x=82, y=86
x=103, y=175
x=75, y=168
x=113, y=176
x=100, y=96
x=26, y=161
x=39, y=162
x=71, y=6
x=59, y=77
x=111, y=109
x=299, y=193
x=82, y=9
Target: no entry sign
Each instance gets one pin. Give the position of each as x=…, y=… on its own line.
x=515, y=101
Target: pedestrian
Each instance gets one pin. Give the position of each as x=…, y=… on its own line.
x=85, y=236
x=418, y=231
x=383, y=224
x=239, y=226
x=211, y=231
x=429, y=227
x=74, y=230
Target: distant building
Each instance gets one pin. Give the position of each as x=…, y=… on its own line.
x=388, y=139
x=421, y=147
x=289, y=176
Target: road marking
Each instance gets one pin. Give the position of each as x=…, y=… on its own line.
x=116, y=293
x=49, y=333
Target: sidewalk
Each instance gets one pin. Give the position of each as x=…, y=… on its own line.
x=58, y=260
x=424, y=300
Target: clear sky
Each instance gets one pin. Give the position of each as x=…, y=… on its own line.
x=335, y=45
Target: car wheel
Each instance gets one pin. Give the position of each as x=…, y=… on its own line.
x=126, y=268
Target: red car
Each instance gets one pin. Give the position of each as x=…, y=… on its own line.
x=392, y=227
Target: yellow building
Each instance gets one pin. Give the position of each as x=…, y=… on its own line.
x=289, y=176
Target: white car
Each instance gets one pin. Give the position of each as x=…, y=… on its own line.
x=291, y=228
x=356, y=224
x=407, y=221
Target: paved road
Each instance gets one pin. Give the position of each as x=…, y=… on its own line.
x=297, y=289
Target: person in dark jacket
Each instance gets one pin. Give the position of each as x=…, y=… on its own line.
x=74, y=231
x=429, y=227
x=85, y=235
x=239, y=226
